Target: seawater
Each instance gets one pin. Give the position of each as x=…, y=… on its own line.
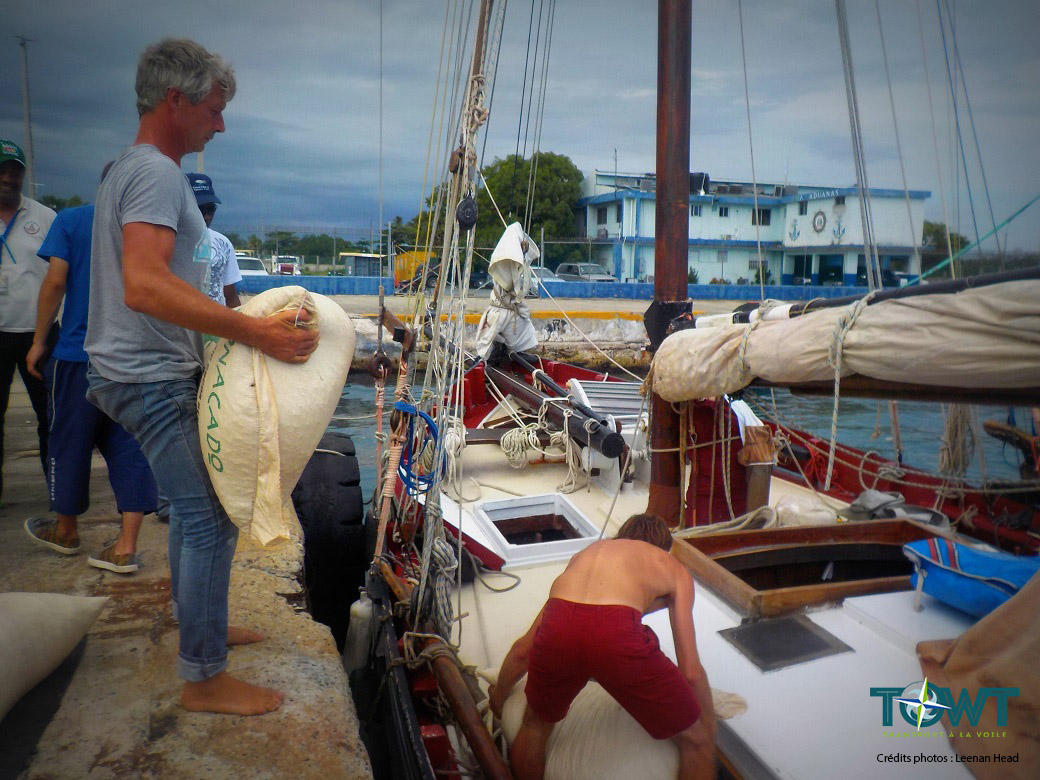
x=866, y=425
x=920, y=423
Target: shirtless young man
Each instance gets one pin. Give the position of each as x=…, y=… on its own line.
x=150, y=261
x=591, y=627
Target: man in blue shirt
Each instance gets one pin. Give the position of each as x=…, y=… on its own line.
x=76, y=425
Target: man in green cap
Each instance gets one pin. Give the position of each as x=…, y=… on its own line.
x=23, y=224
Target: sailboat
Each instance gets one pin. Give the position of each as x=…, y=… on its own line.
x=500, y=465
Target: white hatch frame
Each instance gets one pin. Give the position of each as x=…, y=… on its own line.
x=486, y=513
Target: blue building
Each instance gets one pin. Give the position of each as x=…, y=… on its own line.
x=805, y=234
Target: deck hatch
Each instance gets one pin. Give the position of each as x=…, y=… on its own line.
x=774, y=571
x=534, y=529
x=784, y=641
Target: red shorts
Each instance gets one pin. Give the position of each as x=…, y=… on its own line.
x=608, y=643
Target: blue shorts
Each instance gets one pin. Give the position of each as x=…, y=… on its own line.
x=76, y=427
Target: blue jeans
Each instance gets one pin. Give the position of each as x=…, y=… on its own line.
x=162, y=417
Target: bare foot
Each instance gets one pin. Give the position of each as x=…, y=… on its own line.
x=236, y=635
x=226, y=694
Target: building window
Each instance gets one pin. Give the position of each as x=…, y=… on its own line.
x=695, y=210
x=803, y=208
x=761, y=216
x=601, y=215
x=619, y=213
x=723, y=211
x=839, y=200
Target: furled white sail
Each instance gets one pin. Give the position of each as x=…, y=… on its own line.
x=507, y=318
x=985, y=337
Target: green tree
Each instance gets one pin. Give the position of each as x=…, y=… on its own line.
x=557, y=187
x=280, y=242
x=933, y=237
x=312, y=245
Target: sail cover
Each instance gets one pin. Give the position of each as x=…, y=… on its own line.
x=507, y=318
x=984, y=337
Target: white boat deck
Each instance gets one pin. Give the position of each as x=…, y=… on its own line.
x=814, y=719
x=817, y=719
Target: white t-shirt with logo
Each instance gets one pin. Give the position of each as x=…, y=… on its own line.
x=21, y=270
x=223, y=266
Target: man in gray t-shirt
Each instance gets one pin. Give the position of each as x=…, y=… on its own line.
x=150, y=260
x=144, y=186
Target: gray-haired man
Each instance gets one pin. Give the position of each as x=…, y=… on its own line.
x=150, y=261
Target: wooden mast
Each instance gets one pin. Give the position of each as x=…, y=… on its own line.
x=671, y=245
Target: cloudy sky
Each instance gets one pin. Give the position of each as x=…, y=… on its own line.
x=302, y=147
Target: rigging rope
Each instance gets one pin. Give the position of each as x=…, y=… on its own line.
x=844, y=325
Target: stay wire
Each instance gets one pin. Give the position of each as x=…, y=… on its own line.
x=935, y=140
x=380, y=132
x=757, y=220
x=429, y=140
x=520, y=113
x=499, y=24
x=530, y=112
x=975, y=136
x=957, y=121
x=895, y=128
x=862, y=185
x=539, y=115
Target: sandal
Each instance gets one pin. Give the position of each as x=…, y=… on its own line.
x=43, y=530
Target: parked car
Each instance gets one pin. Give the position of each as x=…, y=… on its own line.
x=479, y=279
x=251, y=266
x=583, y=272
x=540, y=274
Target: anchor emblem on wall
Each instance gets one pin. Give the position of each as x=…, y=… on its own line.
x=839, y=230
x=793, y=235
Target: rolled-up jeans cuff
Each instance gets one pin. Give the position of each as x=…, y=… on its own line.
x=197, y=671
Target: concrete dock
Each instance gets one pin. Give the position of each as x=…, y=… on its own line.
x=115, y=713
x=118, y=717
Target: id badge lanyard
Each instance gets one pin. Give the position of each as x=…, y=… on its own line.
x=4, y=246
x=3, y=238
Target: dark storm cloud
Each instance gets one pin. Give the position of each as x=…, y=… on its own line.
x=302, y=146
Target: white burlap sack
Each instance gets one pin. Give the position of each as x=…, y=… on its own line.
x=596, y=739
x=260, y=418
x=37, y=631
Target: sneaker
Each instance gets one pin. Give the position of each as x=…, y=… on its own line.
x=109, y=559
x=43, y=530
